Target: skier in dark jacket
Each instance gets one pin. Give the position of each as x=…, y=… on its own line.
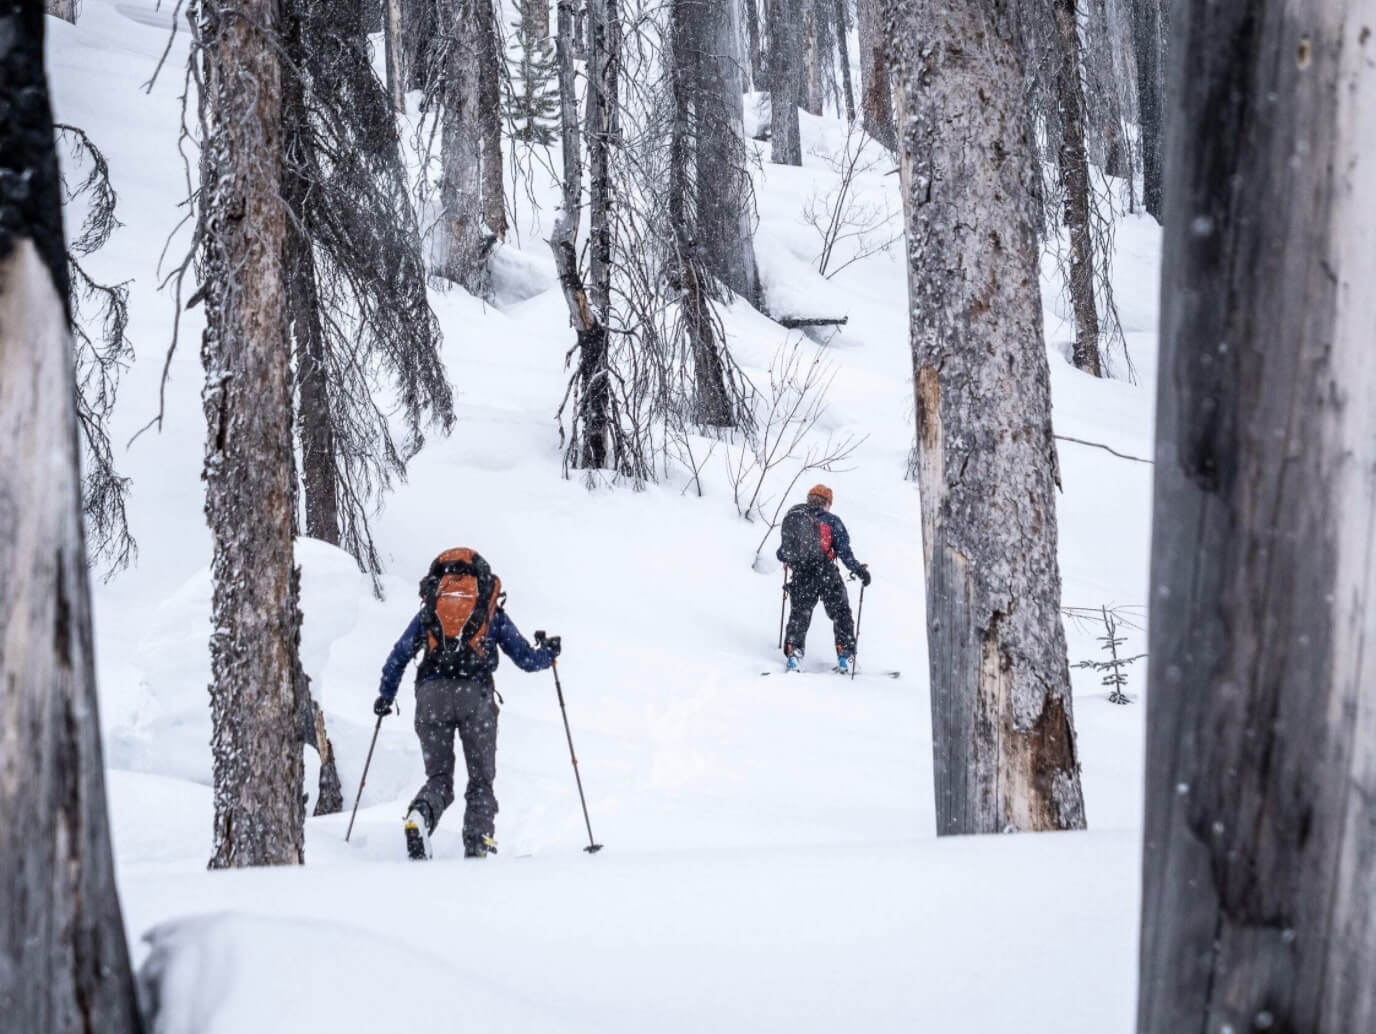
x=813, y=539
x=445, y=705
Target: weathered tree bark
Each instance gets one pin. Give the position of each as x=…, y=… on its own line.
x=604, y=61
x=249, y=470
x=843, y=49
x=1147, y=48
x=813, y=56
x=1074, y=171
x=1002, y=730
x=490, y=111
x=785, y=79
x=464, y=252
x=710, y=116
x=64, y=9
x=876, y=98
x=1104, y=106
x=759, y=80
x=396, y=58
x=64, y=959
x=594, y=416
x=1259, y=869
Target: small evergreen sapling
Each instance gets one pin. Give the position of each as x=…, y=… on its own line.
x=1114, y=677
x=532, y=96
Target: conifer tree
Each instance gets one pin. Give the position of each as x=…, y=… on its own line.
x=532, y=101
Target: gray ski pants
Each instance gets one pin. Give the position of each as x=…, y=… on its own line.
x=468, y=707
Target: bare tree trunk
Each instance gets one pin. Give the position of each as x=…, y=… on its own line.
x=594, y=416
x=396, y=61
x=249, y=470
x=813, y=56
x=1104, y=107
x=64, y=9
x=64, y=959
x=1074, y=169
x=537, y=17
x=1146, y=40
x=604, y=43
x=420, y=42
x=758, y=76
x=876, y=98
x=464, y=251
x=843, y=49
x=1259, y=870
x=1002, y=729
x=785, y=78
x=711, y=112
x=490, y=112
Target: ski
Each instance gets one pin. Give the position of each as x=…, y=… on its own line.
x=885, y=674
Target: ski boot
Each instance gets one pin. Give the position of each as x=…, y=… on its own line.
x=480, y=847
x=844, y=662
x=795, y=658
x=417, y=827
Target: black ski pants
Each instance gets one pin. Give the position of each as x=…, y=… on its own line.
x=807, y=586
x=467, y=707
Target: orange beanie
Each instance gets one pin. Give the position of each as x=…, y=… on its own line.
x=821, y=492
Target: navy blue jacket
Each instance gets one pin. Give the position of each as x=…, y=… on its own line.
x=501, y=631
x=840, y=540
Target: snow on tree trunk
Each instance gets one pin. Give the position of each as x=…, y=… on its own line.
x=64, y=959
x=843, y=49
x=490, y=111
x=249, y=470
x=396, y=59
x=1260, y=860
x=463, y=250
x=604, y=59
x=1074, y=170
x=1002, y=731
x=785, y=78
x=1146, y=44
x=876, y=97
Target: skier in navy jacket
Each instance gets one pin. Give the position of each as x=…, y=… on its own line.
x=812, y=554
x=467, y=705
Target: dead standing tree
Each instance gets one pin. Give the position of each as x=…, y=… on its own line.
x=876, y=97
x=249, y=469
x=1002, y=729
x=64, y=959
x=1259, y=866
x=785, y=79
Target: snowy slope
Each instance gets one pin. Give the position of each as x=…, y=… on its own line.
x=770, y=863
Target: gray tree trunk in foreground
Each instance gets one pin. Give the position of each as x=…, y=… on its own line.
x=64, y=960
x=876, y=96
x=785, y=80
x=1002, y=730
x=1259, y=904
x=843, y=52
x=249, y=468
x=493, y=63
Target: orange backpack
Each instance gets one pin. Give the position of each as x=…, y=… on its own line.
x=460, y=596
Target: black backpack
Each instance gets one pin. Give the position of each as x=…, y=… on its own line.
x=803, y=537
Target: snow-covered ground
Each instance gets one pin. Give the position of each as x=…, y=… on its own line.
x=770, y=862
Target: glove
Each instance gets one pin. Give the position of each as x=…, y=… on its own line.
x=382, y=706
x=553, y=645
x=863, y=574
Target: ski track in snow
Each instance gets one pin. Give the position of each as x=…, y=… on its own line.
x=769, y=862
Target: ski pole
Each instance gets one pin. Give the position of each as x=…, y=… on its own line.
x=376, y=729
x=783, y=603
x=593, y=846
x=859, y=613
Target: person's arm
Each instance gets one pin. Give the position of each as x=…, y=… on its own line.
x=840, y=541
x=514, y=645
x=405, y=649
